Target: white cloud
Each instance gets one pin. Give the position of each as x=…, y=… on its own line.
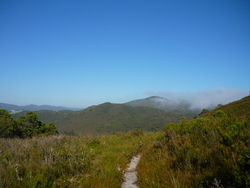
x=203, y=99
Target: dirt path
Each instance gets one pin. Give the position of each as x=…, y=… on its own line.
x=130, y=175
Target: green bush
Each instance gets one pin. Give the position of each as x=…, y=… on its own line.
x=203, y=152
x=24, y=127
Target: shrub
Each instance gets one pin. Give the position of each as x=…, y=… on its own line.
x=24, y=127
x=200, y=153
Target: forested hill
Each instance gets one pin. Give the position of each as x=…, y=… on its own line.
x=162, y=103
x=212, y=151
x=107, y=118
x=239, y=109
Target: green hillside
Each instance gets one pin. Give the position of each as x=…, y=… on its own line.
x=239, y=109
x=180, y=106
x=212, y=150
x=108, y=118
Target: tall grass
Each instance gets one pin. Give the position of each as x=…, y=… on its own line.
x=204, y=152
x=68, y=161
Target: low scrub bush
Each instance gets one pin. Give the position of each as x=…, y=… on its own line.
x=204, y=152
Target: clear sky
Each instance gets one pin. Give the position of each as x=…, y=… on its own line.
x=78, y=53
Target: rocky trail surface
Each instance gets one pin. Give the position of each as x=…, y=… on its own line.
x=130, y=175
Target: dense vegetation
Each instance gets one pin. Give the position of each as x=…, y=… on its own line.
x=203, y=152
x=239, y=109
x=212, y=150
x=68, y=161
x=180, y=106
x=24, y=127
x=209, y=151
x=108, y=118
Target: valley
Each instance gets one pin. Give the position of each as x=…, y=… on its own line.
x=211, y=150
x=107, y=118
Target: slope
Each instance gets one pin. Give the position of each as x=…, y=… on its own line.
x=180, y=106
x=208, y=151
x=108, y=118
x=239, y=109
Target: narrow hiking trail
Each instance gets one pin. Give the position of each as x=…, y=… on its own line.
x=130, y=175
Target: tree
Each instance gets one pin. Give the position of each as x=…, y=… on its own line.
x=49, y=129
x=220, y=114
x=6, y=121
x=32, y=123
x=219, y=105
x=24, y=127
x=204, y=111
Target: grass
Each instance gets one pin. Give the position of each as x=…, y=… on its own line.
x=209, y=151
x=204, y=152
x=69, y=161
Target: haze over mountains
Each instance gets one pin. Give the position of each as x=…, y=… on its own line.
x=107, y=118
x=162, y=103
x=147, y=114
x=32, y=107
x=151, y=102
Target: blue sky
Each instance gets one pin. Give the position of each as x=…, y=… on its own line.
x=81, y=53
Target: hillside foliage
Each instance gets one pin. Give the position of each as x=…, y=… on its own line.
x=180, y=106
x=24, y=126
x=210, y=151
x=108, y=118
x=239, y=109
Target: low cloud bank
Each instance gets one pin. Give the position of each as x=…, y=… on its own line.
x=203, y=99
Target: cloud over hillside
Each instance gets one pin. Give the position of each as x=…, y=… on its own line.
x=203, y=99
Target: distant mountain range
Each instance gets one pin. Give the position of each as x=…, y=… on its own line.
x=107, y=118
x=142, y=114
x=180, y=106
x=151, y=113
x=32, y=107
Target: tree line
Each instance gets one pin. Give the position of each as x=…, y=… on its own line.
x=24, y=126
